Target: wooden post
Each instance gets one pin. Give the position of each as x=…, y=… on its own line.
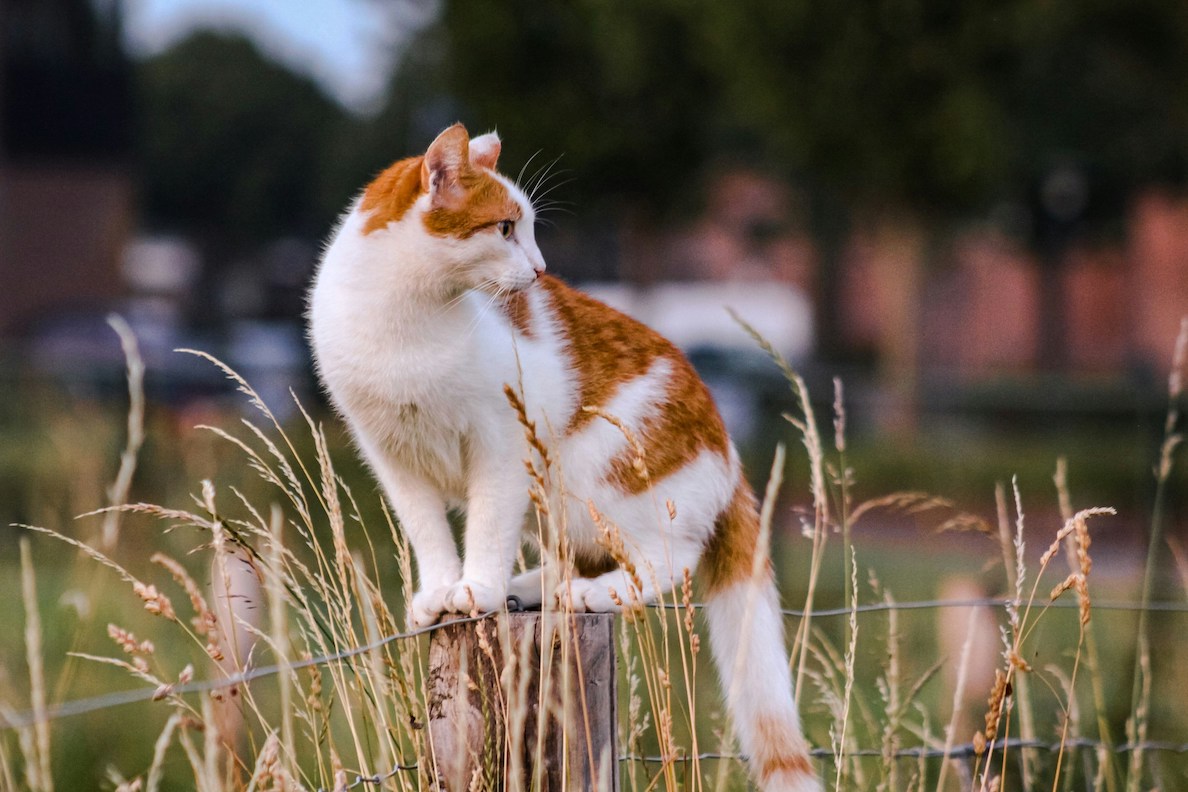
x=524, y=700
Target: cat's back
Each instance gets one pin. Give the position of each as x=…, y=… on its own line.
x=628, y=371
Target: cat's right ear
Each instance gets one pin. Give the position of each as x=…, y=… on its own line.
x=444, y=162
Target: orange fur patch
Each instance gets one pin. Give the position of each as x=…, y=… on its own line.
x=606, y=347
x=688, y=424
x=609, y=349
x=483, y=203
x=391, y=194
x=518, y=311
x=779, y=750
x=729, y=555
x=592, y=562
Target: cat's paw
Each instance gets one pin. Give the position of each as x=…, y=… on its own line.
x=526, y=588
x=470, y=596
x=427, y=607
x=583, y=595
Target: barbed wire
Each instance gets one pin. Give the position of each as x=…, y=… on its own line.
x=984, y=602
x=373, y=780
x=956, y=752
x=966, y=751
x=27, y=718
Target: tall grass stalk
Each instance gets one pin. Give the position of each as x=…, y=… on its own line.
x=321, y=592
x=38, y=771
x=1141, y=686
x=806, y=425
x=847, y=697
x=1089, y=636
x=958, y=697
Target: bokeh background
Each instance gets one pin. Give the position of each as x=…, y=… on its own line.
x=972, y=214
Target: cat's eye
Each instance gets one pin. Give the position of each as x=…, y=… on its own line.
x=506, y=227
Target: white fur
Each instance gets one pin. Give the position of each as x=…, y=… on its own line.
x=747, y=640
x=413, y=354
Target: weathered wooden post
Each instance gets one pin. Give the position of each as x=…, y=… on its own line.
x=524, y=700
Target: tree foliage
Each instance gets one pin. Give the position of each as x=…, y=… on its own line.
x=910, y=104
x=233, y=145
x=919, y=103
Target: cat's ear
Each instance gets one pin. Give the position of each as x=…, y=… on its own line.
x=484, y=150
x=448, y=156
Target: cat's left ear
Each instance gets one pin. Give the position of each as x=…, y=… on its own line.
x=448, y=156
x=484, y=150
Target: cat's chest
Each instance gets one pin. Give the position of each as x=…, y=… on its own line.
x=427, y=424
x=426, y=397
x=424, y=405
x=371, y=362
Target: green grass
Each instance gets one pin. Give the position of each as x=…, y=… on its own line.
x=890, y=682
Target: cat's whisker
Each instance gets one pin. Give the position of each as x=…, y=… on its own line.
x=481, y=313
x=530, y=183
x=456, y=300
x=552, y=187
x=564, y=207
x=541, y=178
x=524, y=167
x=481, y=286
x=544, y=188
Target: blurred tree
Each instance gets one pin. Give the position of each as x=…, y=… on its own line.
x=914, y=103
x=235, y=148
x=923, y=111
x=616, y=87
x=911, y=104
x=64, y=82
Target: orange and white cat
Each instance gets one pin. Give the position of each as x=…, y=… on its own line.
x=430, y=298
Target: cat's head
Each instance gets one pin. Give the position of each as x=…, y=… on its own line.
x=472, y=227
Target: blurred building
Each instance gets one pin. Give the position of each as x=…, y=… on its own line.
x=981, y=309
x=924, y=320
x=66, y=192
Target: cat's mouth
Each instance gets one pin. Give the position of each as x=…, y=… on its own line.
x=504, y=286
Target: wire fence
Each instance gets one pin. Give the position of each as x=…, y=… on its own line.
x=82, y=706
x=26, y=719
x=967, y=751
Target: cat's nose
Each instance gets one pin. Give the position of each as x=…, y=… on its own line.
x=538, y=267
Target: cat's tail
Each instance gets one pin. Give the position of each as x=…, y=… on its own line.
x=746, y=631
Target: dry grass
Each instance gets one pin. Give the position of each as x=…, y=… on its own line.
x=291, y=574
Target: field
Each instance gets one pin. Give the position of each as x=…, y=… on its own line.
x=1001, y=645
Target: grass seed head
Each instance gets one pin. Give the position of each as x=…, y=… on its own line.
x=127, y=641
x=204, y=619
x=687, y=599
x=154, y=601
x=994, y=707
x=1063, y=586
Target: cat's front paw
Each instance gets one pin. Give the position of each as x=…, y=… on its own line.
x=470, y=596
x=427, y=607
x=584, y=595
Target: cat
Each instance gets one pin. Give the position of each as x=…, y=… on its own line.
x=430, y=298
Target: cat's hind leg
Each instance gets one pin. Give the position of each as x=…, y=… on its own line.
x=528, y=588
x=655, y=573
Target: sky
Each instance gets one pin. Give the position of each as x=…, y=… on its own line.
x=347, y=46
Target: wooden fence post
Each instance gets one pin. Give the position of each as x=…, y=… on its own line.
x=524, y=701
